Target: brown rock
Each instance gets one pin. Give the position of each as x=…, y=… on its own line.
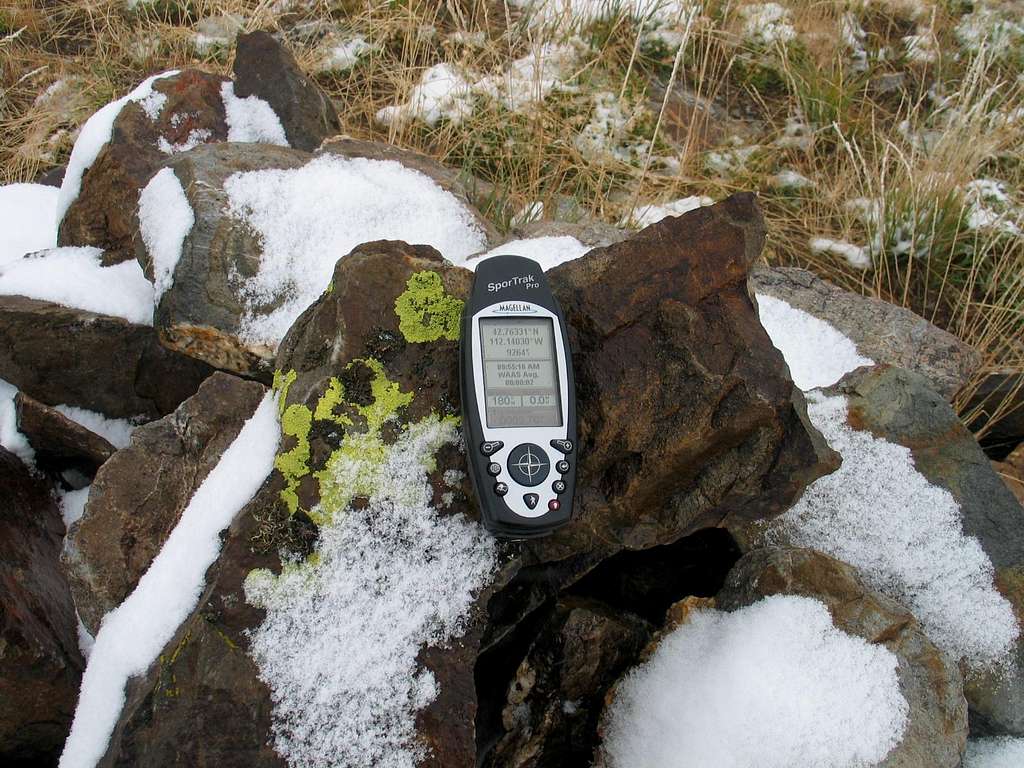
x=265, y=68
x=888, y=334
x=554, y=700
x=1012, y=472
x=40, y=664
x=930, y=681
x=60, y=355
x=57, y=440
x=102, y=215
x=139, y=495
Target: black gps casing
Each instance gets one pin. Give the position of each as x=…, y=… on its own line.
x=496, y=515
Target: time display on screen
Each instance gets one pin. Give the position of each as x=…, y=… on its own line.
x=520, y=372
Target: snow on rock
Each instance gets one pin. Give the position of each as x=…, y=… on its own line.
x=856, y=256
x=133, y=634
x=998, y=752
x=10, y=437
x=442, y=93
x=92, y=137
x=311, y=216
x=27, y=220
x=817, y=354
x=72, y=505
x=117, y=432
x=347, y=690
x=74, y=277
x=904, y=535
x=165, y=219
x=645, y=215
x=547, y=251
x=251, y=119
x=772, y=685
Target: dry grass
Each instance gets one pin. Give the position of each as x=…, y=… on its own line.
x=906, y=135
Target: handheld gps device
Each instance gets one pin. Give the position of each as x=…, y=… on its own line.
x=518, y=399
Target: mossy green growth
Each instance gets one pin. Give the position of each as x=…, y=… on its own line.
x=296, y=422
x=425, y=312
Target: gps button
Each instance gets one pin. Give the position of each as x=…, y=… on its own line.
x=494, y=469
x=528, y=464
x=531, y=500
x=558, y=486
x=562, y=467
x=500, y=489
x=565, y=446
x=490, y=446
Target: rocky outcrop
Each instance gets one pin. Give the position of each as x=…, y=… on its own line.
x=40, y=664
x=59, y=443
x=888, y=334
x=138, y=496
x=61, y=355
x=142, y=137
x=930, y=681
x=266, y=69
x=202, y=313
x=900, y=407
x=554, y=700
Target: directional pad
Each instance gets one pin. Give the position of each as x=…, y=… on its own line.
x=528, y=464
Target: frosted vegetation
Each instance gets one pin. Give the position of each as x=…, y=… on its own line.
x=347, y=691
x=310, y=217
x=772, y=685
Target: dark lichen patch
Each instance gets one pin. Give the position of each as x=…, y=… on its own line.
x=357, y=378
x=384, y=345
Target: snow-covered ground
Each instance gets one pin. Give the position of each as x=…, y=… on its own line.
x=133, y=634
x=773, y=685
x=547, y=251
x=27, y=220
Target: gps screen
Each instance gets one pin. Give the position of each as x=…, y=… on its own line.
x=520, y=372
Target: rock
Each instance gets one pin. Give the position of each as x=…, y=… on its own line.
x=102, y=215
x=201, y=702
x=553, y=703
x=40, y=664
x=1012, y=472
x=886, y=333
x=930, y=681
x=376, y=358
x=201, y=314
x=59, y=442
x=900, y=407
x=61, y=355
x=139, y=495
x=265, y=68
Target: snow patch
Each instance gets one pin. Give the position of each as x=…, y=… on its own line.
x=856, y=256
x=817, y=354
x=904, y=535
x=72, y=505
x=74, y=277
x=998, y=752
x=547, y=251
x=27, y=219
x=117, y=432
x=790, y=180
x=251, y=120
x=153, y=104
x=342, y=56
x=309, y=217
x=92, y=137
x=441, y=94
x=165, y=220
x=195, y=137
x=10, y=437
x=645, y=215
x=132, y=635
x=766, y=24
x=346, y=692
x=772, y=685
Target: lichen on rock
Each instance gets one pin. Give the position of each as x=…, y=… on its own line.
x=426, y=312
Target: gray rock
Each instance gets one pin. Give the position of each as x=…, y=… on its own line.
x=900, y=407
x=265, y=68
x=40, y=664
x=138, y=495
x=58, y=355
x=930, y=681
x=884, y=332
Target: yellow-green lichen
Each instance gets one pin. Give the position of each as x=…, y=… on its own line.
x=329, y=401
x=425, y=312
x=282, y=382
x=296, y=422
